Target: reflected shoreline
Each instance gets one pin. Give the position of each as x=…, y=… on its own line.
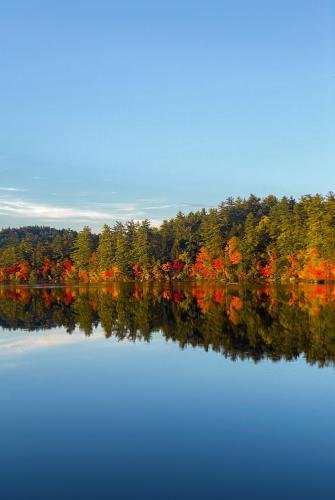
x=240, y=322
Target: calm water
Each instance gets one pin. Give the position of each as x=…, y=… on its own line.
x=147, y=392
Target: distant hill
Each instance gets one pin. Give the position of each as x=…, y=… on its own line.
x=34, y=235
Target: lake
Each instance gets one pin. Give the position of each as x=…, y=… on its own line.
x=158, y=392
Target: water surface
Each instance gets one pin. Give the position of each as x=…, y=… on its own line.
x=150, y=392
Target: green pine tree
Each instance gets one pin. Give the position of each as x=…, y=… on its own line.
x=121, y=248
x=141, y=244
x=83, y=247
x=105, y=250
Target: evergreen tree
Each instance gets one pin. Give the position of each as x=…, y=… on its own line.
x=105, y=250
x=211, y=233
x=121, y=248
x=83, y=247
x=141, y=244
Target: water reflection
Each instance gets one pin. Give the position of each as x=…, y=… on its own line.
x=256, y=323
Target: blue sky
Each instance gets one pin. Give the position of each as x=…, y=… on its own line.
x=117, y=110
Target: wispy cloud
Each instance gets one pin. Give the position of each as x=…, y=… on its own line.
x=93, y=213
x=141, y=205
x=14, y=345
x=12, y=189
x=21, y=345
x=34, y=210
x=163, y=207
x=46, y=212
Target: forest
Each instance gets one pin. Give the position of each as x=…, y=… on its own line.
x=243, y=239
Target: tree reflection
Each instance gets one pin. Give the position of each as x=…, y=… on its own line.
x=241, y=323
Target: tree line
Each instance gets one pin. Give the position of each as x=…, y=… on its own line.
x=242, y=239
